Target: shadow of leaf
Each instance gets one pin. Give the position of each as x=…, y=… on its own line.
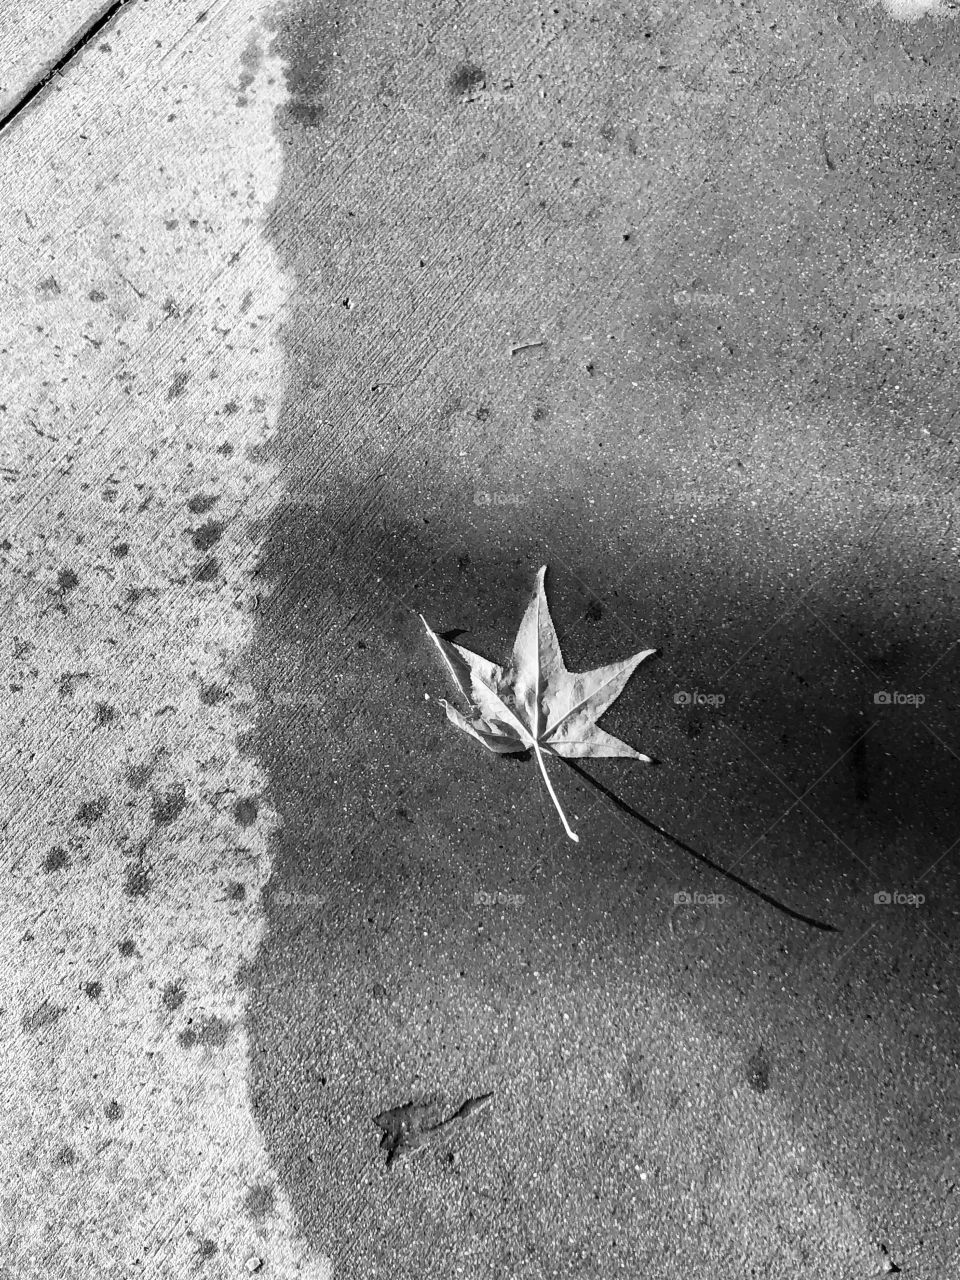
x=700, y=857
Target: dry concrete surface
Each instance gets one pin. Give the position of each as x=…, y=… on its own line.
x=318, y=316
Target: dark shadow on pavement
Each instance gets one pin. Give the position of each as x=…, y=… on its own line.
x=701, y=857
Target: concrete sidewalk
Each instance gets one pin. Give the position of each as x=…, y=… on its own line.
x=320, y=317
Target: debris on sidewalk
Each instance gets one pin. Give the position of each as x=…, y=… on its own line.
x=409, y=1128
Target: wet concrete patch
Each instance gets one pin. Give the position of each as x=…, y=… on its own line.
x=465, y=79
x=138, y=775
x=46, y=1014
x=137, y=880
x=173, y=995
x=167, y=806
x=207, y=536
x=201, y=503
x=91, y=811
x=56, y=860
x=207, y=1032
x=619, y=459
x=208, y=570
x=758, y=1071
x=178, y=385
x=245, y=811
x=260, y=1200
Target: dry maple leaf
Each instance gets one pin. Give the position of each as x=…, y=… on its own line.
x=536, y=702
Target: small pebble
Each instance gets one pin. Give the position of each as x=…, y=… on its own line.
x=254, y=1264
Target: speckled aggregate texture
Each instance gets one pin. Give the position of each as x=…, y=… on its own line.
x=378, y=309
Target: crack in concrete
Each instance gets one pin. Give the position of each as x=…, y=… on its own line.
x=74, y=48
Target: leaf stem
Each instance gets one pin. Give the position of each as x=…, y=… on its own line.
x=553, y=795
